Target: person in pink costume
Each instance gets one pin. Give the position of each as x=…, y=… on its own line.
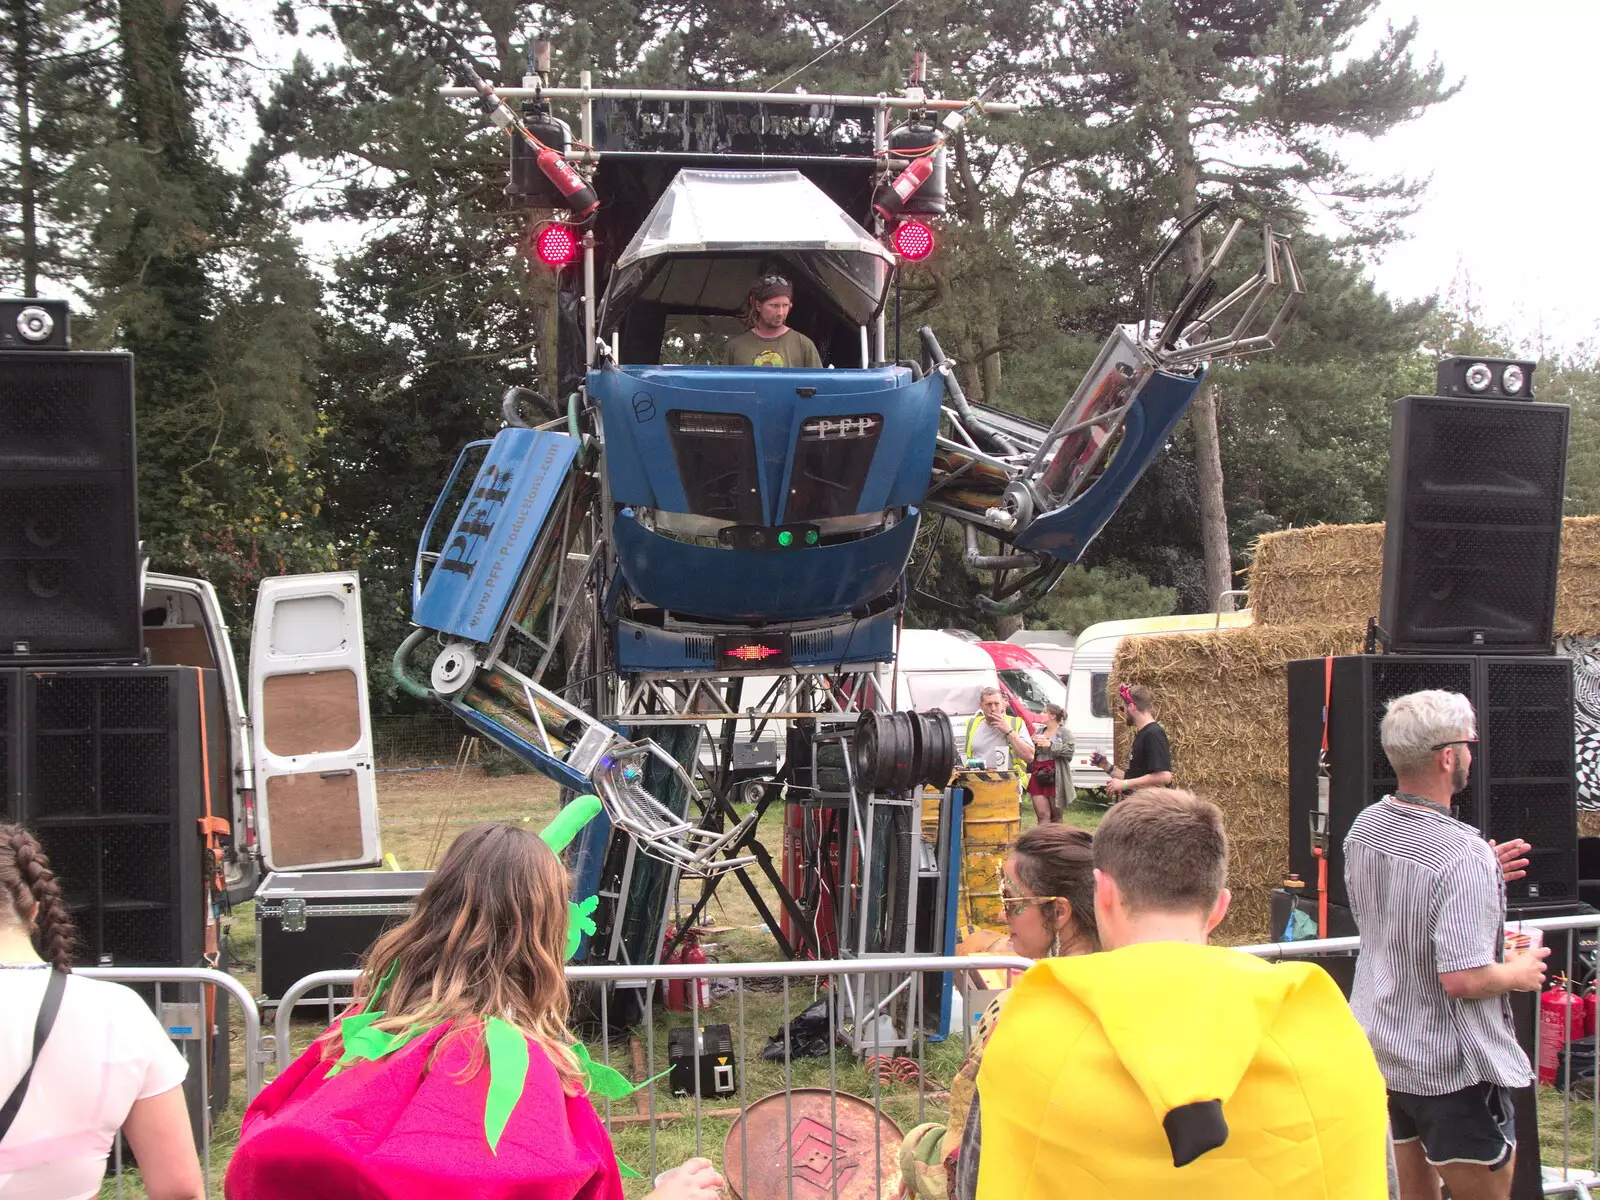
x=454, y=1075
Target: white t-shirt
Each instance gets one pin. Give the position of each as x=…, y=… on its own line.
x=105, y=1051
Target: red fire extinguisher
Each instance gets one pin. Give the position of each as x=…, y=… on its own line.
x=1560, y=1018
x=1588, y=1012
x=679, y=997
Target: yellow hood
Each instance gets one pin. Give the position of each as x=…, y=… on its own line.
x=1157, y=1066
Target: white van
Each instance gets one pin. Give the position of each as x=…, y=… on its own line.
x=1052, y=647
x=1089, y=714
x=937, y=670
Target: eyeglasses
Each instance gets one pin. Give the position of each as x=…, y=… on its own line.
x=1457, y=742
x=1014, y=905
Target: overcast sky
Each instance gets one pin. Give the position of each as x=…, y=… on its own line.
x=1513, y=160
x=1513, y=157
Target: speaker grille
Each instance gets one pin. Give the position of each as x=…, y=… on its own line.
x=1473, y=539
x=69, y=532
x=103, y=745
x=66, y=412
x=1395, y=677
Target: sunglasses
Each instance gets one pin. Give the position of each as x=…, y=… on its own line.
x=1014, y=905
x=1457, y=742
x=773, y=281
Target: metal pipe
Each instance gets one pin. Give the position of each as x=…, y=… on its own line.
x=818, y=99
x=993, y=562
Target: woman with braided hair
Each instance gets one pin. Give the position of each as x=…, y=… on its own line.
x=79, y=1058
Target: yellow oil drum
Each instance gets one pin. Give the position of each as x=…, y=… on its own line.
x=989, y=831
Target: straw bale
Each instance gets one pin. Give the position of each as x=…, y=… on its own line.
x=1588, y=823
x=1320, y=575
x=1223, y=699
x=1333, y=574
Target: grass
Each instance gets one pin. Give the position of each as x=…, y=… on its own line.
x=421, y=811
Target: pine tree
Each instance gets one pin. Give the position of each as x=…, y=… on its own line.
x=53, y=96
x=1242, y=100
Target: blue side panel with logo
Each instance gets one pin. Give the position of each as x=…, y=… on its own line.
x=1067, y=531
x=511, y=499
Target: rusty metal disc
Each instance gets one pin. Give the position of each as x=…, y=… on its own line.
x=834, y=1143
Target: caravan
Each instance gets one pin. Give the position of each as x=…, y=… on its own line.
x=1089, y=713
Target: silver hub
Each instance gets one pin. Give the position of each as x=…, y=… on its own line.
x=454, y=669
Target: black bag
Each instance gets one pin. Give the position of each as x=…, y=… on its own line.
x=1044, y=775
x=42, y=1025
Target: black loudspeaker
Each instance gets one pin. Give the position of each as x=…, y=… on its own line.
x=69, y=533
x=31, y=324
x=1521, y=785
x=1473, y=538
x=10, y=745
x=114, y=786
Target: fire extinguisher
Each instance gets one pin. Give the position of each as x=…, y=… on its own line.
x=1560, y=1017
x=1588, y=1012
x=679, y=997
x=580, y=197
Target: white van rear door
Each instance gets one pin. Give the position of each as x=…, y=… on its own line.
x=316, y=796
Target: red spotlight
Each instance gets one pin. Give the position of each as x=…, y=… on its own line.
x=913, y=240
x=558, y=245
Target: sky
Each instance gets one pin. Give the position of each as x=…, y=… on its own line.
x=1515, y=164
x=1514, y=161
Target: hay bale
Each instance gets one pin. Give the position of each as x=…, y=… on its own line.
x=1332, y=575
x=1223, y=699
x=1321, y=575
x=1578, y=584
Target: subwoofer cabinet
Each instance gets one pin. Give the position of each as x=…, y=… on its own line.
x=1522, y=782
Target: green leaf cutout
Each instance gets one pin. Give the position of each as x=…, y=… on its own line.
x=580, y=920
x=559, y=833
x=508, y=1072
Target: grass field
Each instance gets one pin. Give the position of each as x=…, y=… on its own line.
x=421, y=811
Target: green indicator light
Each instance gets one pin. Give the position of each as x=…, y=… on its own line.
x=786, y=538
x=811, y=537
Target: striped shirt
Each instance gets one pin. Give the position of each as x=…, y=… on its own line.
x=1428, y=898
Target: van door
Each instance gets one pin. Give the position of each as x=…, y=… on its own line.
x=316, y=796
x=1089, y=712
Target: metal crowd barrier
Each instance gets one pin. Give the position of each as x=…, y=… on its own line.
x=878, y=986
x=188, y=1025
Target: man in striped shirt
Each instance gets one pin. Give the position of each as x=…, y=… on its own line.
x=1432, y=983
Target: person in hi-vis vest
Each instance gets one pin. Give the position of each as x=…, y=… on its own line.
x=992, y=731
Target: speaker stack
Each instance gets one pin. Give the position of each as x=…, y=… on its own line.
x=1471, y=551
x=100, y=755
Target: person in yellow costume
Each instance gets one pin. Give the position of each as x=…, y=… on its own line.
x=1164, y=1067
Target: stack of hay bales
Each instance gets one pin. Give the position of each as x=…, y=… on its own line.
x=1223, y=697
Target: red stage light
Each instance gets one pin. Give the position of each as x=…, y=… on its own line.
x=558, y=245
x=913, y=240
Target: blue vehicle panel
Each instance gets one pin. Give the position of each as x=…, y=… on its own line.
x=642, y=467
x=648, y=648
x=1067, y=531
x=481, y=564
x=760, y=585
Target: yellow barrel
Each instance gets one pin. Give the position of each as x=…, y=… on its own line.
x=993, y=822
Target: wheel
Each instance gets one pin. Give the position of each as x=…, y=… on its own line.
x=751, y=791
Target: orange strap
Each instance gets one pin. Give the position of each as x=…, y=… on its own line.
x=212, y=828
x=1327, y=699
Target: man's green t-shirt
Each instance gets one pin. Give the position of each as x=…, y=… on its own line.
x=791, y=348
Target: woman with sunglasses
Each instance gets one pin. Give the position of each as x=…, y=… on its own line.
x=1047, y=891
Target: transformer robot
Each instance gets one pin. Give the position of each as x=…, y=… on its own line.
x=675, y=527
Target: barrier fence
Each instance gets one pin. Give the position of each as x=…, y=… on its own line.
x=621, y=1016
x=185, y=1020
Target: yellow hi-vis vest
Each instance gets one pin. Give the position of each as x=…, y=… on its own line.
x=972, y=729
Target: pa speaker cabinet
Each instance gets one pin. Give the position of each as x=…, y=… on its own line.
x=1359, y=770
x=114, y=786
x=69, y=536
x=10, y=744
x=1473, y=535
x=1521, y=784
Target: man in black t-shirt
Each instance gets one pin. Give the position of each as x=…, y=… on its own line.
x=1150, y=760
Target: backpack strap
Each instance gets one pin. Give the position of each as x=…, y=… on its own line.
x=42, y=1025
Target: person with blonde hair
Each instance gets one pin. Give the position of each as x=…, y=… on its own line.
x=79, y=1058
x=1433, y=981
x=455, y=1074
